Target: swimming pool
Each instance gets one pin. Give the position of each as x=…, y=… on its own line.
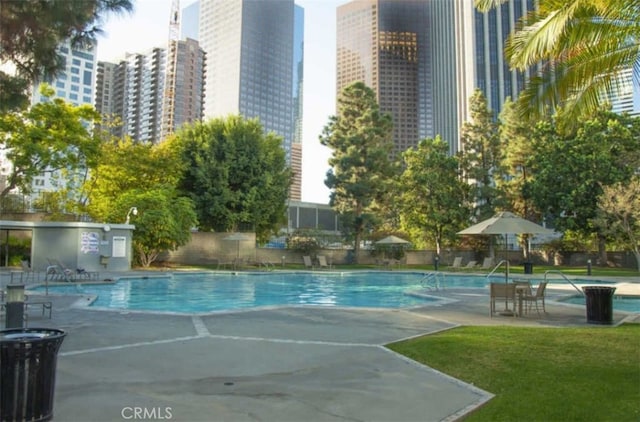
x=209, y=291
x=206, y=292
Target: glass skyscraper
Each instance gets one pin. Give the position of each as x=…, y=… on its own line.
x=424, y=59
x=254, y=64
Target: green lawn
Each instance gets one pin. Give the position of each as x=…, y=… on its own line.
x=541, y=374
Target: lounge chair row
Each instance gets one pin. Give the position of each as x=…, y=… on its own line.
x=322, y=262
x=487, y=264
x=56, y=270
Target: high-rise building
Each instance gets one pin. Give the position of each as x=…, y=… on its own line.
x=133, y=90
x=424, y=59
x=626, y=98
x=386, y=45
x=254, y=63
x=187, y=86
x=75, y=84
x=144, y=85
x=189, y=21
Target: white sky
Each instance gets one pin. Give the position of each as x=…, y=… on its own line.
x=148, y=27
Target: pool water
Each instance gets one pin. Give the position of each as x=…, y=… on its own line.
x=206, y=292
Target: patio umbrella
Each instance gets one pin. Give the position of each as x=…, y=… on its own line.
x=391, y=241
x=505, y=223
x=238, y=237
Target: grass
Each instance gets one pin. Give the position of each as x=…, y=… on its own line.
x=541, y=374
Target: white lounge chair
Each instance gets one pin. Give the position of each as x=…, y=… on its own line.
x=307, y=262
x=322, y=262
x=457, y=263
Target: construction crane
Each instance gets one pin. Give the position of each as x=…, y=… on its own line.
x=168, y=98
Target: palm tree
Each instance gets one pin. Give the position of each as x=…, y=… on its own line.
x=583, y=47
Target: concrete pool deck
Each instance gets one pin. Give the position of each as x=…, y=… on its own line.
x=277, y=364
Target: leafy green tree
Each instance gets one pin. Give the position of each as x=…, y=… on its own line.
x=31, y=32
x=482, y=157
x=583, y=46
x=163, y=223
x=144, y=176
x=236, y=175
x=434, y=199
x=572, y=169
x=360, y=140
x=619, y=214
x=117, y=173
x=49, y=136
x=516, y=145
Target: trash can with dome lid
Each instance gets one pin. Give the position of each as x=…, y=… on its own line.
x=28, y=358
x=599, y=300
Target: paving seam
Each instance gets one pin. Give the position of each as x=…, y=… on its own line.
x=200, y=326
x=485, y=396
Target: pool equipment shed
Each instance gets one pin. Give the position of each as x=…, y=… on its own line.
x=90, y=246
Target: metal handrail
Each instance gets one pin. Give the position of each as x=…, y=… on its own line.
x=563, y=276
x=433, y=276
x=498, y=265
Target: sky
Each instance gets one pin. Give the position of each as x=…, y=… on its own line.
x=148, y=27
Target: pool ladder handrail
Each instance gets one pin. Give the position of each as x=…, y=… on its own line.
x=563, y=276
x=498, y=265
x=430, y=280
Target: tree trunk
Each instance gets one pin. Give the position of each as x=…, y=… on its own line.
x=602, y=250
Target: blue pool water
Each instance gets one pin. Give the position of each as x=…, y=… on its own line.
x=205, y=292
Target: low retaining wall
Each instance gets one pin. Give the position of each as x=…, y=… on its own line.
x=207, y=248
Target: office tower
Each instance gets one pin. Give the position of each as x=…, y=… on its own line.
x=254, y=63
x=189, y=21
x=74, y=84
x=626, y=98
x=424, y=59
x=385, y=44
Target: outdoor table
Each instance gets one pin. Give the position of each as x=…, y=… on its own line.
x=521, y=290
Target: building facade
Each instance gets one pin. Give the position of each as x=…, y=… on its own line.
x=255, y=63
x=184, y=85
x=134, y=91
x=75, y=84
x=424, y=59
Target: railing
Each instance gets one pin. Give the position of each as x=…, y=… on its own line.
x=431, y=280
x=563, y=276
x=498, y=265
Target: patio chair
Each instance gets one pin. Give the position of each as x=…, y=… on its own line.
x=79, y=273
x=27, y=270
x=487, y=264
x=307, y=262
x=322, y=262
x=457, y=263
x=470, y=264
x=503, y=292
x=535, y=298
x=56, y=271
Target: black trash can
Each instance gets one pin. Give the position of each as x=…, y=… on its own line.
x=28, y=358
x=528, y=267
x=599, y=304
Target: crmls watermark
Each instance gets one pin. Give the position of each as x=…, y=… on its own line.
x=146, y=413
